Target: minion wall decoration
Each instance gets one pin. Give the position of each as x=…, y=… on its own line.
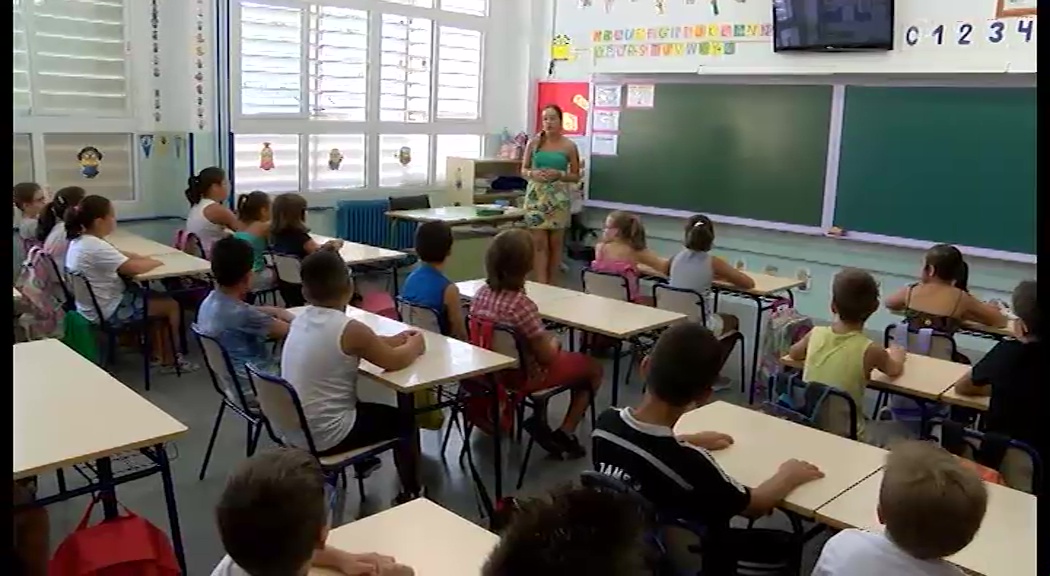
x=266, y=157
x=89, y=158
x=404, y=156
x=335, y=159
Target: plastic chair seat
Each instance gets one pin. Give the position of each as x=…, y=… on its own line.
x=342, y=459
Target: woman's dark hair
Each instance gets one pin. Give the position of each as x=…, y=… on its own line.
x=24, y=192
x=56, y=209
x=699, y=233
x=508, y=260
x=543, y=133
x=946, y=263
x=629, y=228
x=80, y=217
x=199, y=185
x=289, y=213
x=250, y=206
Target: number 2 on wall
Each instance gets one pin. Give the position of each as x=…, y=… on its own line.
x=964, y=34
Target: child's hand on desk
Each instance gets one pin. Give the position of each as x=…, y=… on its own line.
x=709, y=440
x=799, y=472
x=374, y=565
x=897, y=353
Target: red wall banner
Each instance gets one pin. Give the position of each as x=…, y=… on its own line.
x=571, y=97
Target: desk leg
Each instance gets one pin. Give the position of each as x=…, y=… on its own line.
x=406, y=404
x=106, y=487
x=169, y=499
x=497, y=447
x=616, y=374
x=757, y=336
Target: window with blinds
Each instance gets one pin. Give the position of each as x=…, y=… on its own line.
x=459, y=73
x=113, y=175
x=73, y=57
x=476, y=7
x=337, y=161
x=338, y=63
x=454, y=146
x=271, y=59
x=23, y=159
x=404, y=69
x=267, y=162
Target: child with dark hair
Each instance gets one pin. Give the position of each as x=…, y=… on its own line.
x=841, y=355
x=428, y=286
x=242, y=329
x=29, y=198
x=502, y=300
x=940, y=299
x=677, y=474
x=52, y=227
x=577, y=531
x=1012, y=373
x=105, y=267
x=253, y=210
x=209, y=219
x=321, y=359
x=273, y=521
x=623, y=249
x=290, y=236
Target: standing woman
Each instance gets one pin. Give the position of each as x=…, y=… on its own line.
x=552, y=167
x=209, y=218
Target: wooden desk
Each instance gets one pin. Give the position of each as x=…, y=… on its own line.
x=541, y=294
x=613, y=318
x=456, y=215
x=354, y=253
x=176, y=265
x=950, y=396
x=421, y=535
x=761, y=443
x=128, y=242
x=1004, y=546
x=69, y=411
x=923, y=376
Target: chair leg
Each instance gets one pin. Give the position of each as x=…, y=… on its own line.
x=174, y=349
x=525, y=462
x=339, y=502
x=147, y=354
x=253, y=438
x=743, y=372
x=60, y=474
x=453, y=419
x=591, y=393
x=211, y=441
x=878, y=404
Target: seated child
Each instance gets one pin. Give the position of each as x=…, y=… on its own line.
x=320, y=359
x=676, y=473
x=577, y=531
x=931, y=507
x=209, y=219
x=103, y=266
x=242, y=329
x=273, y=519
x=428, y=286
x=29, y=198
x=290, y=236
x=51, y=227
x=253, y=210
x=622, y=250
x=841, y=355
x=1012, y=373
x=502, y=300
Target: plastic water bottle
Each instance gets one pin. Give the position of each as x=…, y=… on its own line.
x=900, y=335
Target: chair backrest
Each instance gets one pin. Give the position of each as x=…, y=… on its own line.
x=220, y=366
x=420, y=316
x=57, y=275
x=593, y=480
x=190, y=244
x=812, y=404
x=1021, y=466
x=287, y=268
x=607, y=284
x=83, y=294
x=499, y=338
x=926, y=342
x=680, y=300
x=838, y=414
x=281, y=408
x=419, y=202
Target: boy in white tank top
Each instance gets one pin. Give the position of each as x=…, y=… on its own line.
x=320, y=360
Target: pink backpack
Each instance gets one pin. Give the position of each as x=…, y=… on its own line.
x=42, y=296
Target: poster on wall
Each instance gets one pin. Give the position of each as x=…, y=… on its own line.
x=571, y=98
x=604, y=144
x=641, y=95
x=1014, y=8
x=607, y=96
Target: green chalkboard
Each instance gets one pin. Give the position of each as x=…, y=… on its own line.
x=749, y=151
x=952, y=165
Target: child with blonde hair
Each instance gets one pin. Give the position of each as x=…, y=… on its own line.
x=623, y=249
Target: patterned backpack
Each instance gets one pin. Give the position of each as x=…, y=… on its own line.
x=784, y=327
x=42, y=297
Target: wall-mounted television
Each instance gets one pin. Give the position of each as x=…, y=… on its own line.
x=832, y=25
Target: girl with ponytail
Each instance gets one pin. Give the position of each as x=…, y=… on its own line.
x=209, y=219
x=105, y=267
x=51, y=227
x=253, y=210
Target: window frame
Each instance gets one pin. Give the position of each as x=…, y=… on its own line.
x=372, y=128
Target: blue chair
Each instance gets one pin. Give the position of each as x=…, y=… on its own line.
x=231, y=394
x=286, y=423
x=971, y=444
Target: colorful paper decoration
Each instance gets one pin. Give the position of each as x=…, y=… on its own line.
x=154, y=22
x=146, y=143
x=404, y=156
x=698, y=40
x=561, y=48
x=90, y=159
x=179, y=142
x=266, y=157
x=659, y=6
x=199, y=52
x=335, y=159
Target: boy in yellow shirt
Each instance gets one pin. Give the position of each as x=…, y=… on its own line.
x=841, y=355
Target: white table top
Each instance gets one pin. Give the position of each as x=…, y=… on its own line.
x=421, y=535
x=1004, y=546
x=951, y=396
x=176, y=264
x=761, y=443
x=129, y=242
x=539, y=293
x=765, y=285
x=456, y=215
x=68, y=410
x=445, y=360
x=613, y=318
x=354, y=253
x=923, y=376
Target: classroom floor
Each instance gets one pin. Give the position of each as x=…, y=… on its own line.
x=192, y=400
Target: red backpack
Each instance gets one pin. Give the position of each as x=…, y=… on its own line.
x=127, y=545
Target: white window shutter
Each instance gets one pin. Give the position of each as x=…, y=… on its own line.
x=23, y=159
x=115, y=176
x=416, y=3
x=391, y=172
x=459, y=74
x=338, y=63
x=21, y=62
x=271, y=59
x=252, y=170
x=78, y=56
x=337, y=161
x=476, y=7
x=455, y=146
x=405, y=65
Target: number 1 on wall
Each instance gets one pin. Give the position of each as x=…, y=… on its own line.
x=938, y=34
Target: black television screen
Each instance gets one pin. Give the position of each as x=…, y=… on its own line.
x=832, y=25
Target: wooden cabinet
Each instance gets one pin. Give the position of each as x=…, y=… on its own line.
x=467, y=180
